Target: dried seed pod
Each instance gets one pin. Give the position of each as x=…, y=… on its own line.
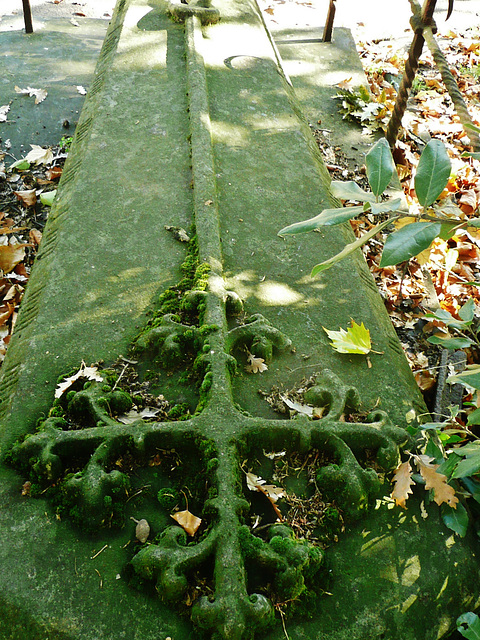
x=142, y=530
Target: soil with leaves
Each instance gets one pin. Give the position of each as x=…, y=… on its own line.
x=27, y=189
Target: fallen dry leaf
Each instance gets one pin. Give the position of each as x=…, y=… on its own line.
x=403, y=482
x=26, y=487
x=187, y=521
x=133, y=415
x=39, y=155
x=28, y=197
x=84, y=372
x=255, y=365
x=345, y=84
x=35, y=236
x=39, y=94
x=54, y=173
x=6, y=311
x=443, y=492
x=11, y=255
x=3, y=112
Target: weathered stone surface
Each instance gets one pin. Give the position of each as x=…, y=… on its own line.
x=58, y=57
x=195, y=124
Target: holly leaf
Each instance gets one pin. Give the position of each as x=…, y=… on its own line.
x=432, y=174
x=356, y=339
x=408, y=241
x=456, y=519
x=380, y=165
x=470, y=376
x=90, y=373
x=39, y=155
x=468, y=624
x=403, y=482
x=443, y=492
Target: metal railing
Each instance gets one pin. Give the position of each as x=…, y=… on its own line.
x=27, y=16
x=424, y=27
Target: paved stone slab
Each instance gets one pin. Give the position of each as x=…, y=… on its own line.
x=315, y=68
x=195, y=124
x=57, y=58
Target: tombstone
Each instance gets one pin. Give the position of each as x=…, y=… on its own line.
x=191, y=124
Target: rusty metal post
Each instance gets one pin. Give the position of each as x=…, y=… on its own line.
x=452, y=86
x=327, y=32
x=27, y=16
x=418, y=22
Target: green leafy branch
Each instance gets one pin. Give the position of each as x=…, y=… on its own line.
x=415, y=236
x=466, y=332
x=455, y=450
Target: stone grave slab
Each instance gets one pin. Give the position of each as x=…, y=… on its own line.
x=190, y=123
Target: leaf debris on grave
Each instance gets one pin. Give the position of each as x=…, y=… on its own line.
x=4, y=109
x=90, y=373
x=38, y=94
x=178, y=233
x=255, y=365
x=403, y=482
x=189, y=522
x=39, y=155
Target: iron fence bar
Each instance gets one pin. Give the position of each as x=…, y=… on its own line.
x=27, y=16
x=327, y=32
x=452, y=86
x=424, y=26
x=417, y=21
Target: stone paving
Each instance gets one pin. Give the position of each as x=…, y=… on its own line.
x=195, y=126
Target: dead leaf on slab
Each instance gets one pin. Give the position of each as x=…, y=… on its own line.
x=39, y=94
x=403, y=482
x=84, y=372
x=3, y=112
x=39, y=155
x=443, y=492
x=255, y=365
x=133, y=415
x=187, y=521
x=256, y=483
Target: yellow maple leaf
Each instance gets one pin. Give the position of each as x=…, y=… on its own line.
x=356, y=339
x=403, y=482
